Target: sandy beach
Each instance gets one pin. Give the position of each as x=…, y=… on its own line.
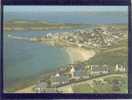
x=79, y=54
x=26, y=90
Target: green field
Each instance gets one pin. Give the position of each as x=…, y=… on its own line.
x=103, y=87
x=118, y=53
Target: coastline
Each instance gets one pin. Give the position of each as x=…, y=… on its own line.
x=79, y=54
x=75, y=55
x=28, y=89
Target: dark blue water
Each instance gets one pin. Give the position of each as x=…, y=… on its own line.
x=25, y=59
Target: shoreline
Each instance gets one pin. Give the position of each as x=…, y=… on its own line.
x=75, y=55
x=79, y=54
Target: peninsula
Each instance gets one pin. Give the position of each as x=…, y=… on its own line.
x=22, y=25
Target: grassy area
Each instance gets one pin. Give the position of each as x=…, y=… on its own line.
x=117, y=53
x=107, y=87
x=105, y=59
x=85, y=88
x=123, y=88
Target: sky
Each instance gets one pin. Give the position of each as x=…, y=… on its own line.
x=63, y=8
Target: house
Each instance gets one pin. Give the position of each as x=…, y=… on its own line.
x=81, y=72
x=120, y=68
x=57, y=75
x=40, y=87
x=96, y=69
x=78, y=72
x=49, y=34
x=79, y=45
x=59, y=80
x=72, y=72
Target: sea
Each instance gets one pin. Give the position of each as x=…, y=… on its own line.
x=26, y=61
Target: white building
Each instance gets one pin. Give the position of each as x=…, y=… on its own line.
x=120, y=68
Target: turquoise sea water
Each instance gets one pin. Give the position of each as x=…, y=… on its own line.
x=25, y=60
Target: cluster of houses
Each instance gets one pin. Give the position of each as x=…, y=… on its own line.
x=77, y=72
x=42, y=87
x=104, y=69
x=98, y=37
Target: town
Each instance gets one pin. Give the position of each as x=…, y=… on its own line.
x=68, y=78
x=76, y=73
x=107, y=69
